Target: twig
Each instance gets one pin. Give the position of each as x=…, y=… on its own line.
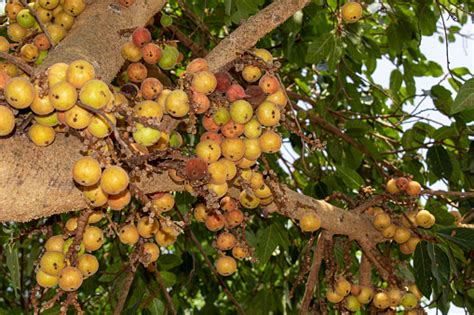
x=125, y=289
x=169, y=301
x=81, y=226
x=313, y=277
x=197, y=50
x=366, y=205
x=41, y=24
x=209, y=263
x=462, y=194
x=111, y=124
x=446, y=43
x=17, y=62
x=365, y=271
x=376, y=259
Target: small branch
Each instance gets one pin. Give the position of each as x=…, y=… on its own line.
x=111, y=124
x=197, y=50
x=366, y=205
x=462, y=194
x=125, y=289
x=169, y=301
x=365, y=270
x=209, y=263
x=17, y=62
x=313, y=277
x=41, y=24
x=376, y=259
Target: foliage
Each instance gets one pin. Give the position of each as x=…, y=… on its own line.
x=330, y=65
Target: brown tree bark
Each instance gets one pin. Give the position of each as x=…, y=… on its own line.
x=36, y=182
x=97, y=35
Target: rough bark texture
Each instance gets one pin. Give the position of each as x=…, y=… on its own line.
x=96, y=35
x=249, y=33
x=37, y=182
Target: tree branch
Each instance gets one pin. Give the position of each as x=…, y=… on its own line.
x=96, y=35
x=313, y=278
x=251, y=31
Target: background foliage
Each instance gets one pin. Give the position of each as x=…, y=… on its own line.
x=328, y=66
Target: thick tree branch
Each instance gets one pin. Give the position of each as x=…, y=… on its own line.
x=252, y=30
x=96, y=35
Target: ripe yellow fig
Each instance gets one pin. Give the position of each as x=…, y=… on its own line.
x=204, y=82
x=19, y=92
x=391, y=186
x=128, y=234
x=366, y=294
x=95, y=93
x=226, y=265
x=54, y=243
x=409, y=301
x=342, y=287
x=45, y=280
x=333, y=297
x=351, y=12
x=225, y=241
x=93, y=238
x=351, y=303
x=395, y=297
x=88, y=265
x=413, y=188
x=251, y=73
x=7, y=121
x=151, y=251
x=177, y=103
x=240, y=252
x=381, y=300
x=53, y=262
x=425, y=219
x=401, y=235
x=200, y=212
x=57, y=73
x=166, y=236
x=86, y=171
x=382, y=221
x=310, y=222
x=40, y=135
x=94, y=195
x=389, y=231
x=114, y=180
x=70, y=279
x=147, y=226
x=119, y=201
x=163, y=202
x=79, y=72
x=249, y=201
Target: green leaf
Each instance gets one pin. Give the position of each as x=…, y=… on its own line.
x=439, y=162
x=320, y=48
x=439, y=264
x=422, y=269
x=169, y=261
x=13, y=266
x=169, y=278
x=350, y=177
x=462, y=236
x=465, y=98
x=396, y=79
x=156, y=307
x=270, y=237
